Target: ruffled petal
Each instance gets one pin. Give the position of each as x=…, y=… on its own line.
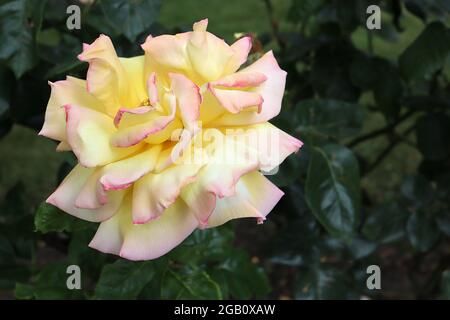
x=147, y=241
x=88, y=133
x=150, y=124
x=218, y=178
x=66, y=194
x=271, y=90
x=241, y=49
x=188, y=98
x=115, y=82
x=69, y=91
x=136, y=91
x=167, y=53
x=272, y=144
x=235, y=101
x=63, y=146
x=116, y=176
x=255, y=197
x=208, y=54
x=155, y=192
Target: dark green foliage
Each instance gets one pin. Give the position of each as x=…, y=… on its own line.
x=371, y=185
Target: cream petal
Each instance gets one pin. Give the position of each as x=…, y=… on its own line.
x=152, y=89
x=208, y=54
x=155, y=192
x=272, y=144
x=136, y=91
x=69, y=91
x=116, y=176
x=105, y=76
x=271, y=90
x=218, y=178
x=241, y=49
x=188, y=97
x=88, y=133
x=66, y=194
x=147, y=241
x=155, y=128
x=235, y=101
x=255, y=197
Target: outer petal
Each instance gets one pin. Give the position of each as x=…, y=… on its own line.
x=241, y=49
x=271, y=90
x=88, y=133
x=240, y=80
x=69, y=91
x=116, y=176
x=272, y=144
x=208, y=54
x=105, y=74
x=255, y=197
x=108, y=80
x=147, y=241
x=167, y=53
x=63, y=146
x=66, y=194
x=234, y=101
x=155, y=192
x=218, y=178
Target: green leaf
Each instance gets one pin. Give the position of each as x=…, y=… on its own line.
x=433, y=136
x=388, y=88
x=332, y=189
x=417, y=190
x=386, y=223
x=189, y=282
x=17, y=34
x=445, y=285
x=323, y=283
x=49, y=218
x=427, y=53
x=360, y=247
x=320, y=119
x=443, y=222
x=241, y=278
x=124, y=279
x=49, y=37
x=423, y=231
x=131, y=17
x=330, y=71
x=49, y=284
x=381, y=76
x=7, y=82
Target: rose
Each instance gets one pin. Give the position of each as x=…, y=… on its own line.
x=137, y=126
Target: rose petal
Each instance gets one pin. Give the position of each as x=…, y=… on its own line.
x=155, y=192
x=66, y=194
x=228, y=162
x=116, y=176
x=147, y=241
x=69, y=91
x=241, y=49
x=271, y=90
x=256, y=196
x=155, y=128
x=88, y=133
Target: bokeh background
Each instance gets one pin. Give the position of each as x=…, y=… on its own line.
x=370, y=186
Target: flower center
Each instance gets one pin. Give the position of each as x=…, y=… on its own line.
x=145, y=102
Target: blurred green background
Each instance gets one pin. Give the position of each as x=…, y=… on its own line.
x=374, y=102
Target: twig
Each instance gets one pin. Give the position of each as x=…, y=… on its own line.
x=389, y=148
x=386, y=129
x=274, y=24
